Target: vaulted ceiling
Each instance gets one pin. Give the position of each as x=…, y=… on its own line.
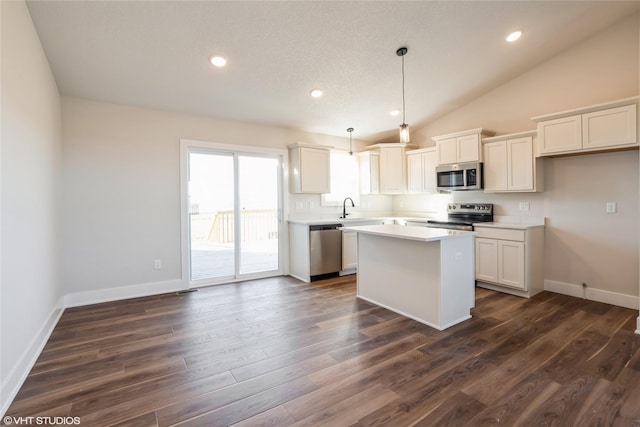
x=156, y=54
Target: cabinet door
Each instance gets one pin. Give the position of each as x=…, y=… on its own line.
x=392, y=170
x=607, y=128
x=414, y=173
x=349, y=250
x=511, y=264
x=369, y=173
x=495, y=166
x=447, y=151
x=469, y=148
x=520, y=164
x=560, y=135
x=429, y=163
x=487, y=260
x=314, y=170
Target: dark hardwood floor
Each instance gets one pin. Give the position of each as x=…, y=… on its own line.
x=279, y=352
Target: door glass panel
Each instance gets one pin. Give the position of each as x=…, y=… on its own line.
x=258, y=212
x=211, y=213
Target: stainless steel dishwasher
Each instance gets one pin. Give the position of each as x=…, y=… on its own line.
x=325, y=247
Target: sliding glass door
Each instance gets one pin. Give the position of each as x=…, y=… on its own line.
x=234, y=203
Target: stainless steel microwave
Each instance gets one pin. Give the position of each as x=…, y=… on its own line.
x=459, y=176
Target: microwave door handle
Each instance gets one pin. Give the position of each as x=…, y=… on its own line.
x=465, y=183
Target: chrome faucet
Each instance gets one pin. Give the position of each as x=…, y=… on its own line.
x=344, y=207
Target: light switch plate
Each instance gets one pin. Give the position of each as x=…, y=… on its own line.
x=612, y=207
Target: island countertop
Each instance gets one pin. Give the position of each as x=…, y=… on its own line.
x=409, y=232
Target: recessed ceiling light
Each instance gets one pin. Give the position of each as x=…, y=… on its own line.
x=515, y=35
x=218, y=61
x=395, y=112
x=316, y=93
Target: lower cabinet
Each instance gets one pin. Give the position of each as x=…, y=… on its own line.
x=510, y=259
x=349, y=251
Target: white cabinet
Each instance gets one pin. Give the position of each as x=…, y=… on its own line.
x=487, y=260
x=511, y=264
x=392, y=167
x=369, y=164
x=606, y=126
x=309, y=168
x=460, y=147
x=609, y=128
x=510, y=259
x=349, y=250
x=392, y=170
x=560, y=135
x=510, y=164
x=421, y=170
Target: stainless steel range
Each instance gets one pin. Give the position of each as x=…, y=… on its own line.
x=461, y=216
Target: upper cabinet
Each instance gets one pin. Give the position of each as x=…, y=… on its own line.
x=510, y=164
x=421, y=170
x=392, y=167
x=309, y=168
x=460, y=147
x=369, y=163
x=608, y=126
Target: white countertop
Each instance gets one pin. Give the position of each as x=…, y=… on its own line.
x=409, y=232
x=512, y=226
x=348, y=221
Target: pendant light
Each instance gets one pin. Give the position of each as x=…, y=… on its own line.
x=350, y=130
x=404, y=127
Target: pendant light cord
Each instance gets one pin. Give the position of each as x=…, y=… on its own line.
x=403, y=109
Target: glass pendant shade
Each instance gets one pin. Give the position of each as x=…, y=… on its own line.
x=404, y=134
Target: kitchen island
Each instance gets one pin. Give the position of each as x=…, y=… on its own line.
x=427, y=274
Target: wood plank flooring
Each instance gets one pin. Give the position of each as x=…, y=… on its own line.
x=279, y=352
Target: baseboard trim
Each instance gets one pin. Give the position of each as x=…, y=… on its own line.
x=14, y=380
x=593, y=294
x=78, y=299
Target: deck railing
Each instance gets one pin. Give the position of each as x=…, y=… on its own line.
x=256, y=224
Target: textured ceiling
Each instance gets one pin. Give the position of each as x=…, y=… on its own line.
x=155, y=54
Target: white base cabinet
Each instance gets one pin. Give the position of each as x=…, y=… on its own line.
x=510, y=260
x=349, y=251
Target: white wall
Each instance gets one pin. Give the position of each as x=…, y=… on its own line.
x=31, y=129
x=582, y=242
x=121, y=200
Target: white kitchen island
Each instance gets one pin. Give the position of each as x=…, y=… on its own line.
x=427, y=274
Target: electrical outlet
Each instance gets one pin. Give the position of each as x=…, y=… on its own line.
x=298, y=205
x=524, y=206
x=612, y=207
x=157, y=264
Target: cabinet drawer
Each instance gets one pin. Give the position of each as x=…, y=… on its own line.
x=500, y=233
